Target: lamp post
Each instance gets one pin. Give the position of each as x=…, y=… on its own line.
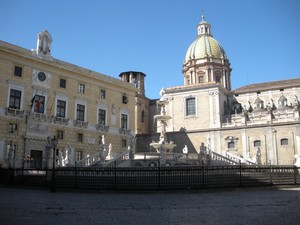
x=54, y=143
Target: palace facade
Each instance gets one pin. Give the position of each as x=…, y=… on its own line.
x=42, y=96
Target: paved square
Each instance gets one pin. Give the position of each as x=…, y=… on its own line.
x=237, y=206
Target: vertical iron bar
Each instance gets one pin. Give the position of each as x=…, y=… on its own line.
x=115, y=171
x=240, y=173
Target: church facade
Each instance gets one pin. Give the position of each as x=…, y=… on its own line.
x=259, y=122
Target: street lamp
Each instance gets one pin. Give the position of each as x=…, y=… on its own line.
x=54, y=142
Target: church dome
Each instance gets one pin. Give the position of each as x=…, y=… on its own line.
x=205, y=45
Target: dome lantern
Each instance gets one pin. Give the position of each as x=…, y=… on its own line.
x=203, y=27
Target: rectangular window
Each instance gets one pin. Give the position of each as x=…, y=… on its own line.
x=257, y=143
x=81, y=88
x=18, y=71
x=124, y=144
x=143, y=116
x=78, y=155
x=284, y=141
x=124, y=99
x=102, y=116
x=102, y=94
x=60, y=134
x=15, y=99
x=80, y=137
x=62, y=83
x=124, y=121
x=61, y=109
x=80, y=112
x=39, y=104
x=231, y=145
x=12, y=128
x=190, y=107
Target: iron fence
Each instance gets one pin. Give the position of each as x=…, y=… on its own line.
x=152, y=178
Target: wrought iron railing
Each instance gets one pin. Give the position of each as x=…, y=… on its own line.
x=152, y=178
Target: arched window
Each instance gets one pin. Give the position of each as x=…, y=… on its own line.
x=200, y=79
x=284, y=141
x=257, y=143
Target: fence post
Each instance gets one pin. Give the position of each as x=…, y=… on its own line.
x=202, y=167
x=75, y=174
x=240, y=173
x=271, y=178
x=158, y=175
x=295, y=174
x=115, y=172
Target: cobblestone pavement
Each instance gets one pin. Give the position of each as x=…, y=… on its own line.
x=237, y=206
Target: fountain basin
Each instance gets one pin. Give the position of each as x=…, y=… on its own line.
x=162, y=117
x=168, y=147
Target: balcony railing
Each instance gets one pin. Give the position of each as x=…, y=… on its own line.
x=41, y=116
x=14, y=112
x=102, y=127
x=61, y=120
x=124, y=131
x=78, y=123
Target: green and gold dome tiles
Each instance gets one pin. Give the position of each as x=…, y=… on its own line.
x=205, y=46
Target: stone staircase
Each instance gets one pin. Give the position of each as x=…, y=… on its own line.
x=95, y=160
x=229, y=159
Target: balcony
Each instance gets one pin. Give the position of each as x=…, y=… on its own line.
x=41, y=117
x=102, y=127
x=61, y=120
x=78, y=123
x=124, y=131
x=14, y=112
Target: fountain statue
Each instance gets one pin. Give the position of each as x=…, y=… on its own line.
x=162, y=146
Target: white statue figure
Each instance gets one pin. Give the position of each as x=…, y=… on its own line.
x=258, y=156
x=203, y=152
x=10, y=155
x=69, y=155
x=87, y=163
x=161, y=93
x=102, y=149
x=185, y=150
x=108, y=157
x=208, y=144
x=61, y=161
x=297, y=158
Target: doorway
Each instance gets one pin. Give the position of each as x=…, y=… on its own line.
x=37, y=159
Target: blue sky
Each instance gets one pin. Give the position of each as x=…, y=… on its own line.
x=261, y=37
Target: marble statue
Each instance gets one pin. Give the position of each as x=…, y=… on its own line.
x=203, y=152
x=297, y=158
x=108, y=157
x=185, y=150
x=161, y=93
x=102, y=149
x=61, y=161
x=10, y=155
x=69, y=155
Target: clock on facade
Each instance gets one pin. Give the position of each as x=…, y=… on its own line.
x=41, y=76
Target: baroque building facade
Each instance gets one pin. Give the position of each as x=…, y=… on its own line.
x=258, y=122
x=42, y=96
